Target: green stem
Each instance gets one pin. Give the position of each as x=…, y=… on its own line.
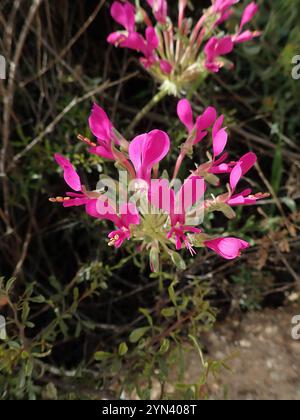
x=154, y=101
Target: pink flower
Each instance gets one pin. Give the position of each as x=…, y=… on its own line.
x=220, y=138
x=228, y=248
x=135, y=41
x=221, y=6
x=178, y=51
x=70, y=175
x=177, y=206
x=102, y=128
x=160, y=10
x=124, y=14
x=215, y=48
x=218, y=163
x=249, y=13
x=128, y=216
x=150, y=45
x=241, y=168
x=80, y=197
x=202, y=123
x=146, y=150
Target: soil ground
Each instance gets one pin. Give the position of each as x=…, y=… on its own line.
x=265, y=359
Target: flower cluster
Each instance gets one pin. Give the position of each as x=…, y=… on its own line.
x=161, y=216
x=178, y=55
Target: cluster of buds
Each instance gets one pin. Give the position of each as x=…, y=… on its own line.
x=182, y=54
x=156, y=210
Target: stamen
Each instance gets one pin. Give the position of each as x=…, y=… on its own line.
x=190, y=248
x=113, y=240
x=86, y=141
x=59, y=199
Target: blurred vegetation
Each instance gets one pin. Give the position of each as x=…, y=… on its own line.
x=86, y=322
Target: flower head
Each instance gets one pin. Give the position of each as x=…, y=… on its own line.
x=161, y=215
x=177, y=55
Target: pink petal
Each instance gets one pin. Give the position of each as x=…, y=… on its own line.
x=129, y=215
x=152, y=39
x=210, y=48
x=249, y=13
x=228, y=248
x=224, y=46
x=235, y=176
x=100, y=209
x=76, y=202
x=124, y=14
x=100, y=124
x=160, y=9
x=123, y=235
x=102, y=151
x=219, y=142
x=157, y=148
x=70, y=175
x=200, y=136
x=224, y=17
x=223, y=5
x=223, y=168
x=166, y=66
x=136, y=149
x=207, y=119
x=185, y=114
x=190, y=193
x=116, y=39
x=247, y=162
x=245, y=36
x=133, y=41
x=147, y=150
x=161, y=196
x=218, y=125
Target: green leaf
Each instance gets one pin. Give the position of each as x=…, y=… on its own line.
x=146, y=313
x=290, y=203
x=178, y=261
x=123, y=349
x=38, y=299
x=154, y=259
x=172, y=294
x=168, y=312
x=25, y=312
x=100, y=356
x=137, y=334
x=9, y=285
x=75, y=294
x=164, y=346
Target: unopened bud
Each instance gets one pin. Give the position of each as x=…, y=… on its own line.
x=154, y=259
